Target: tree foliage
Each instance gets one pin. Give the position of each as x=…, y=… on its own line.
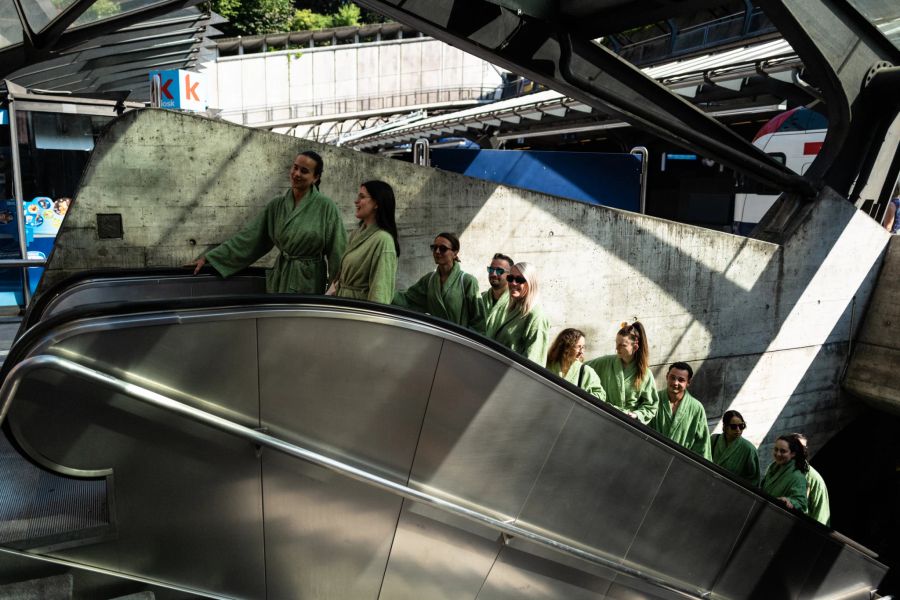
x=253, y=17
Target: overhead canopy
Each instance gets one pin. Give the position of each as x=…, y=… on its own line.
x=78, y=47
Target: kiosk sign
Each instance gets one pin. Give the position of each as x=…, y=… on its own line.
x=184, y=90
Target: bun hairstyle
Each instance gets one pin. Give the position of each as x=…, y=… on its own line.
x=636, y=332
x=383, y=195
x=320, y=165
x=454, y=242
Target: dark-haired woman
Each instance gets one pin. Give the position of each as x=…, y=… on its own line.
x=785, y=479
x=626, y=375
x=522, y=327
x=303, y=224
x=565, y=359
x=368, y=270
x=447, y=292
x=732, y=452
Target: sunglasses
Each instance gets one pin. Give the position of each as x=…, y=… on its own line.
x=736, y=426
x=496, y=271
x=439, y=249
x=516, y=279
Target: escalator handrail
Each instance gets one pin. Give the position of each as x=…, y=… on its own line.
x=10, y=386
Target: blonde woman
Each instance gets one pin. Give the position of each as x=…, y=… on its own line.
x=522, y=327
x=626, y=375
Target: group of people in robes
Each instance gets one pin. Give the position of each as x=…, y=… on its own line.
x=315, y=256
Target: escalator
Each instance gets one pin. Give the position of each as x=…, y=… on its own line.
x=260, y=446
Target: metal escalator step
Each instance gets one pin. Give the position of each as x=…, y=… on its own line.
x=56, y=587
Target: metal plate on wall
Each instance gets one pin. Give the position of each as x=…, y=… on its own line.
x=691, y=553
x=438, y=555
x=352, y=389
x=598, y=483
x=327, y=536
x=210, y=365
x=487, y=432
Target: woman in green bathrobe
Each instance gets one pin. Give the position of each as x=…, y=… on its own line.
x=626, y=375
x=522, y=327
x=447, y=292
x=785, y=479
x=303, y=224
x=368, y=269
x=565, y=359
x=732, y=452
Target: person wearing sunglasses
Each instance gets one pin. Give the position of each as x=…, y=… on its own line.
x=522, y=327
x=626, y=375
x=565, y=359
x=447, y=292
x=785, y=479
x=732, y=452
x=681, y=417
x=303, y=224
x=497, y=294
x=368, y=270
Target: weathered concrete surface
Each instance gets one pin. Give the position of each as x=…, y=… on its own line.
x=766, y=326
x=875, y=362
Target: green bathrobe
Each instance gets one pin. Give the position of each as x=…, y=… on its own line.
x=306, y=236
x=494, y=310
x=787, y=481
x=618, y=381
x=590, y=382
x=368, y=270
x=739, y=457
x=487, y=299
x=687, y=426
x=817, y=497
x=457, y=300
x=528, y=335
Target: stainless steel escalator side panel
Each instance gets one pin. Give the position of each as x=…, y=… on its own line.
x=187, y=497
x=326, y=536
x=839, y=569
x=355, y=391
x=438, y=555
x=487, y=432
x=102, y=290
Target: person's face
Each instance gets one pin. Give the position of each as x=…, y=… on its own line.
x=782, y=452
x=518, y=287
x=576, y=352
x=626, y=347
x=677, y=381
x=497, y=273
x=734, y=428
x=442, y=252
x=303, y=173
x=365, y=206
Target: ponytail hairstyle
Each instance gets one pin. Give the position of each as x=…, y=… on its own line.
x=636, y=332
x=801, y=456
x=524, y=305
x=454, y=242
x=320, y=165
x=564, y=342
x=383, y=195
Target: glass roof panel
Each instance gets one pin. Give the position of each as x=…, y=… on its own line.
x=884, y=14
x=105, y=9
x=41, y=12
x=10, y=27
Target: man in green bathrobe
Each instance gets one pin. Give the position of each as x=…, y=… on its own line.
x=303, y=224
x=680, y=416
x=500, y=265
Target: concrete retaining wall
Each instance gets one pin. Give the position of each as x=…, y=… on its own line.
x=766, y=326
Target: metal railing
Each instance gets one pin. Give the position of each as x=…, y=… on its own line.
x=16, y=375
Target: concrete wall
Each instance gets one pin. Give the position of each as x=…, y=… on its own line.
x=766, y=326
x=256, y=88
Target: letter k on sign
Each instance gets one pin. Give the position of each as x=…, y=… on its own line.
x=190, y=90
